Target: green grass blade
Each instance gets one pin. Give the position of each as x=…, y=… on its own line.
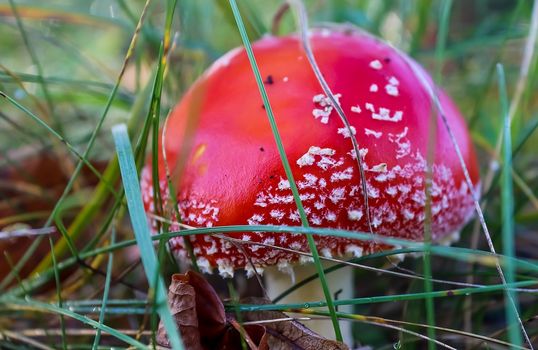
x=286, y=165
x=432, y=135
x=449, y=293
x=467, y=255
x=35, y=305
x=58, y=292
x=252, y=24
x=106, y=290
x=141, y=231
x=507, y=208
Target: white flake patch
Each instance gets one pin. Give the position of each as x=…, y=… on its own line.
x=381, y=177
x=330, y=216
x=342, y=175
x=303, y=259
x=369, y=107
x=284, y=184
x=404, y=189
x=384, y=114
x=204, y=265
x=310, y=181
x=326, y=252
x=324, y=163
x=355, y=250
x=370, y=132
x=356, y=109
x=226, y=269
x=276, y=214
x=326, y=106
x=306, y=159
x=392, y=87
x=294, y=216
x=318, y=205
x=379, y=168
x=252, y=272
x=408, y=214
x=337, y=194
x=376, y=64
x=287, y=268
x=404, y=145
x=255, y=219
x=354, y=214
x=392, y=90
x=373, y=192
x=213, y=249
x=374, y=88
x=345, y=131
x=269, y=241
x=362, y=151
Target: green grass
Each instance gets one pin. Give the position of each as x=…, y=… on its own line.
x=69, y=71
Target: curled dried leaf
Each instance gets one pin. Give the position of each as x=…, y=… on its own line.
x=203, y=323
x=284, y=335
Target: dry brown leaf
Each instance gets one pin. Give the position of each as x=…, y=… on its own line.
x=292, y=335
x=203, y=323
x=208, y=306
x=182, y=300
x=255, y=337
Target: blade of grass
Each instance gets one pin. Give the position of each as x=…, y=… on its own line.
x=29, y=304
x=252, y=24
x=382, y=321
x=58, y=292
x=286, y=165
x=449, y=293
x=484, y=258
x=430, y=158
x=141, y=231
x=104, y=302
x=507, y=208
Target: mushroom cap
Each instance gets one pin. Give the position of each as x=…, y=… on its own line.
x=230, y=172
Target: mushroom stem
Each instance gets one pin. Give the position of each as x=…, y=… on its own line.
x=340, y=283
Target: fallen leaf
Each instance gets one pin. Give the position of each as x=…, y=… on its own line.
x=208, y=306
x=203, y=323
x=284, y=335
x=254, y=335
x=182, y=300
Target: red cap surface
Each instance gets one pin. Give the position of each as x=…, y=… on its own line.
x=233, y=175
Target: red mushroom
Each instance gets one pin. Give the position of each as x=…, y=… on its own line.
x=233, y=173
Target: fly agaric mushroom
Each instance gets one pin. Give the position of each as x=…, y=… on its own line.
x=233, y=174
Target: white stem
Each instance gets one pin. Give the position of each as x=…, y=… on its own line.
x=340, y=283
